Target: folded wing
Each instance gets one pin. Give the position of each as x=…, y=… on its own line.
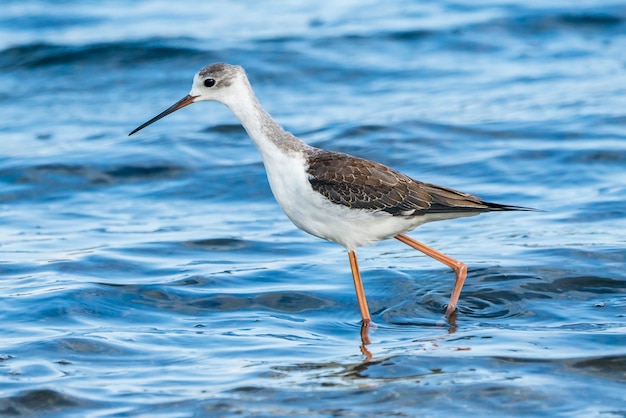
x=362, y=184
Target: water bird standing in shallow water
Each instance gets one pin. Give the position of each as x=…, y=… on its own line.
x=335, y=196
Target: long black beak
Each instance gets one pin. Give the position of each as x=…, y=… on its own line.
x=185, y=101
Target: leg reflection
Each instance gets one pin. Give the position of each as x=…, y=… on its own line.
x=365, y=340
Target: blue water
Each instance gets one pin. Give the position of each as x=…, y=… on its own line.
x=156, y=276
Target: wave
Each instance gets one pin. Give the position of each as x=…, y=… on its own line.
x=515, y=23
x=114, y=54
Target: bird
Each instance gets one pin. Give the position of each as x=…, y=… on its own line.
x=332, y=195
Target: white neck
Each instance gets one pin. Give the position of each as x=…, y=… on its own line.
x=268, y=135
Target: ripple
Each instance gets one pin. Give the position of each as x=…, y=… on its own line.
x=218, y=244
x=42, y=401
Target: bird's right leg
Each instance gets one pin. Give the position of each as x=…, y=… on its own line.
x=358, y=286
x=360, y=296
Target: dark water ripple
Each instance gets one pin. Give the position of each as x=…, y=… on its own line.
x=155, y=275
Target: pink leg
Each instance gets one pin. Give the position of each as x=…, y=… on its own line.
x=358, y=286
x=360, y=296
x=459, y=268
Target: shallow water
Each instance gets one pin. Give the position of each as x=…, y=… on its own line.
x=156, y=276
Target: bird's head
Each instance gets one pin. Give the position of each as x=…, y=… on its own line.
x=215, y=82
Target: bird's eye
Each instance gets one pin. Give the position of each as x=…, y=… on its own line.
x=209, y=82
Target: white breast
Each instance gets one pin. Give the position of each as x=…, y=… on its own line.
x=313, y=213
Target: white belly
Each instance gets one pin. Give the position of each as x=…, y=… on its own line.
x=313, y=213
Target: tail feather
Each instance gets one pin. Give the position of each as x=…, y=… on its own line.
x=500, y=207
x=478, y=206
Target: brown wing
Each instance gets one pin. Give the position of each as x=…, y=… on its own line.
x=362, y=184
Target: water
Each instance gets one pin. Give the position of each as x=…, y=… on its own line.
x=156, y=276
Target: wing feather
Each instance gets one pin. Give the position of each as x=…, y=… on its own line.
x=362, y=184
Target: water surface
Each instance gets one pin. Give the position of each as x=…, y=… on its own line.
x=156, y=276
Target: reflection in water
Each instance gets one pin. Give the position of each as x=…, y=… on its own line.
x=450, y=322
x=365, y=339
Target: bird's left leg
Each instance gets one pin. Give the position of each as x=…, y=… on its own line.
x=459, y=268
